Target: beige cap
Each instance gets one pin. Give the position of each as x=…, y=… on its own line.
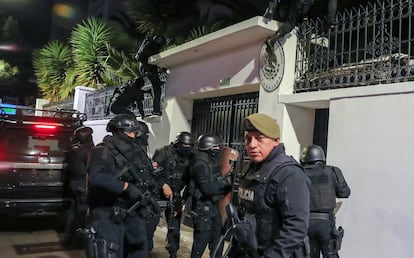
x=262, y=123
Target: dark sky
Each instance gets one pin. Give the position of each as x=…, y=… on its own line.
x=34, y=18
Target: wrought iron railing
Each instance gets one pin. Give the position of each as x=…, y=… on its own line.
x=370, y=45
x=97, y=103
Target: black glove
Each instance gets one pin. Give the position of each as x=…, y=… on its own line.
x=133, y=193
x=225, y=181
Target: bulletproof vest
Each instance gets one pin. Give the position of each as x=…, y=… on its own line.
x=322, y=194
x=252, y=195
x=133, y=165
x=213, y=165
x=126, y=94
x=177, y=166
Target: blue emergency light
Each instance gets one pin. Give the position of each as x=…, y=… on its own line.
x=9, y=109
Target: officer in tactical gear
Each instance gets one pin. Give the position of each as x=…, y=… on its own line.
x=119, y=179
x=290, y=13
x=175, y=159
x=155, y=179
x=126, y=95
x=273, y=194
x=328, y=183
x=77, y=159
x=206, y=187
x=151, y=46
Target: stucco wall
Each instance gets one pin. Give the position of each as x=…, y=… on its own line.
x=370, y=139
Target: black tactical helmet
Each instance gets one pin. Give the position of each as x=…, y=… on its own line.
x=184, y=138
x=123, y=122
x=83, y=134
x=312, y=154
x=159, y=40
x=207, y=142
x=142, y=128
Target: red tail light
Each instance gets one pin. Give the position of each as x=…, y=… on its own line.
x=45, y=127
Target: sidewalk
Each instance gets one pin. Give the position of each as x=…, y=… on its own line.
x=186, y=242
x=43, y=243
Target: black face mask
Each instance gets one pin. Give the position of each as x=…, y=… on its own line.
x=214, y=153
x=184, y=151
x=142, y=140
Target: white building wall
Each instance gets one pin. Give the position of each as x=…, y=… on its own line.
x=370, y=139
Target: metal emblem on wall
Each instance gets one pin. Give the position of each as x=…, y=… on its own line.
x=271, y=67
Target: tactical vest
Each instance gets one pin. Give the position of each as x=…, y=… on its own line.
x=213, y=166
x=252, y=194
x=136, y=171
x=176, y=166
x=323, y=196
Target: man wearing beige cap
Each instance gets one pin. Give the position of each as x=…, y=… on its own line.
x=273, y=194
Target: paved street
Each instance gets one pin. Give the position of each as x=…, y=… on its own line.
x=38, y=241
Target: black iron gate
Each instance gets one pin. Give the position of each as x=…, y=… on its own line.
x=223, y=116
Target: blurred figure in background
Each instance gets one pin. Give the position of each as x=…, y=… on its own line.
x=77, y=159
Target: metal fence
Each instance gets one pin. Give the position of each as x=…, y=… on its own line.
x=370, y=45
x=97, y=103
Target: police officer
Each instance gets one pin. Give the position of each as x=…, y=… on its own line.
x=273, y=194
x=151, y=46
x=77, y=159
x=154, y=181
x=207, y=187
x=328, y=183
x=175, y=159
x=117, y=195
x=290, y=13
x=127, y=94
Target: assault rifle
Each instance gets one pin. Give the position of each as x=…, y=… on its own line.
x=146, y=198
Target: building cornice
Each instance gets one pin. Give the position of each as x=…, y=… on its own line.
x=226, y=39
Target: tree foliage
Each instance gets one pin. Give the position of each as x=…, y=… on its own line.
x=90, y=60
x=10, y=30
x=90, y=53
x=7, y=71
x=52, y=64
x=100, y=53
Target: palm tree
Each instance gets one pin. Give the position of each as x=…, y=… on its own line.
x=52, y=64
x=89, y=42
x=184, y=20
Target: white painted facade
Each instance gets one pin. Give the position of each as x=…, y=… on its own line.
x=370, y=129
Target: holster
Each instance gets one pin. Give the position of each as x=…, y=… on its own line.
x=118, y=214
x=245, y=233
x=99, y=248
x=338, y=236
x=303, y=251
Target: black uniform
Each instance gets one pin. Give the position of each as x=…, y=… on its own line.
x=118, y=160
x=176, y=165
x=151, y=46
x=328, y=183
x=76, y=172
x=274, y=195
x=127, y=94
x=207, y=190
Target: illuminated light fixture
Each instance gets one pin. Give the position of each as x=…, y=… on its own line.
x=45, y=127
